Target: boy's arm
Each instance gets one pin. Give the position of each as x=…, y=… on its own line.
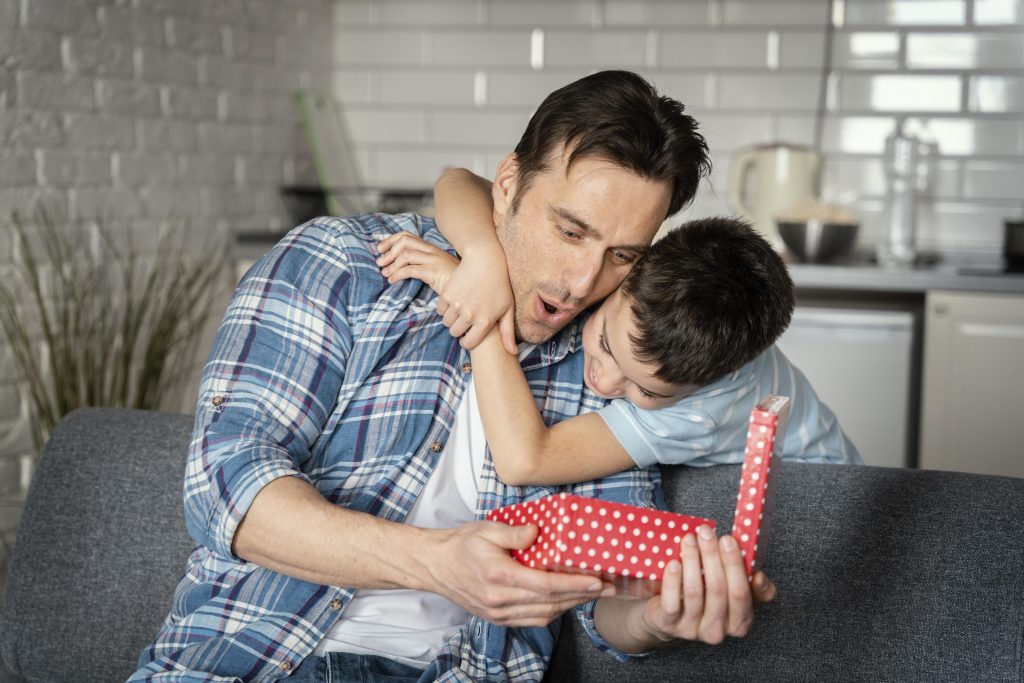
x=524, y=449
x=477, y=294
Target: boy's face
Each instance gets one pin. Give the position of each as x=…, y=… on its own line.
x=611, y=369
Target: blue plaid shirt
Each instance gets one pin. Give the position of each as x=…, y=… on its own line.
x=324, y=371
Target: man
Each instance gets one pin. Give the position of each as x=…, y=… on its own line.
x=338, y=467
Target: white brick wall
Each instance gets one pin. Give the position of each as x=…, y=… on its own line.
x=152, y=109
x=453, y=82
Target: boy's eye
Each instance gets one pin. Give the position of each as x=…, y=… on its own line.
x=603, y=345
x=646, y=395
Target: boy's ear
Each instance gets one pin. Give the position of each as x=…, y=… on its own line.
x=506, y=181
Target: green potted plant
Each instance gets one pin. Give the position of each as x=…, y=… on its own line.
x=93, y=321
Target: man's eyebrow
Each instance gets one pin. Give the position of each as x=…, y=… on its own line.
x=567, y=215
x=604, y=332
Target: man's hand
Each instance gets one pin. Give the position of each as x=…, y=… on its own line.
x=472, y=567
x=473, y=295
x=707, y=598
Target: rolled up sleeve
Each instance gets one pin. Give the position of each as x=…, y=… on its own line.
x=270, y=383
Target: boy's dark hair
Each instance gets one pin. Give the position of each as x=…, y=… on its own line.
x=708, y=297
x=618, y=116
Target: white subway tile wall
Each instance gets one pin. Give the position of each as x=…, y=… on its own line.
x=155, y=109
x=749, y=70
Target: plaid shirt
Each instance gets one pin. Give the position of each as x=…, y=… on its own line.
x=322, y=370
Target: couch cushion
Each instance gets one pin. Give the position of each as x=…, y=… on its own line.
x=92, y=573
x=882, y=574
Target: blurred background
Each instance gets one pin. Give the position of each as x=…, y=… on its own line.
x=234, y=120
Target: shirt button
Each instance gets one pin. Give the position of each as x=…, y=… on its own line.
x=467, y=368
x=436, y=447
x=285, y=666
x=336, y=603
x=217, y=400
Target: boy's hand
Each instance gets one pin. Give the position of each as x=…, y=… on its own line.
x=469, y=308
x=404, y=256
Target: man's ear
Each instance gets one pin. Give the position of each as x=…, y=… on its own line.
x=503, y=189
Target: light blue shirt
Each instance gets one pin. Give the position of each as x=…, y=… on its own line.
x=709, y=426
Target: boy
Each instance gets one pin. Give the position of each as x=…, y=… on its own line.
x=687, y=341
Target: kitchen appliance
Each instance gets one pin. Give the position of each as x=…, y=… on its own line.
x=908, y=169
x=860, y=363
x=766, y=180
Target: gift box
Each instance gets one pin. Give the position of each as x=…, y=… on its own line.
x=753, y=504
x=623, y=544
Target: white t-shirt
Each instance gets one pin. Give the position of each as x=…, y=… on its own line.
x=410, y=626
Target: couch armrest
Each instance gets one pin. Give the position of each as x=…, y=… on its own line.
x=100, y=547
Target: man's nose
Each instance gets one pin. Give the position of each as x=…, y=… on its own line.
x=583, y=275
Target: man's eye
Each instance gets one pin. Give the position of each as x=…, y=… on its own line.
x=568, y=234
x=622, y=257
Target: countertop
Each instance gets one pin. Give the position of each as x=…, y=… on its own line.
x=953, y=273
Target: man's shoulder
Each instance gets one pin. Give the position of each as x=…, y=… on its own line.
x=362, y=232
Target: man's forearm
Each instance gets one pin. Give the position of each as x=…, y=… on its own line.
x=292, y=529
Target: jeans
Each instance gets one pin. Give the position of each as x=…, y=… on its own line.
x=346, y=667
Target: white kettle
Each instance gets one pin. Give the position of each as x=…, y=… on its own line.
x=766, y=180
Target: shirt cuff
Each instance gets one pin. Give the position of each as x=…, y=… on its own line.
x=585, y=615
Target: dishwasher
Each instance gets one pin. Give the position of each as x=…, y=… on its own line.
x=861, y=364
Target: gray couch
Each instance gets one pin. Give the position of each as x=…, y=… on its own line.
x=889, y=575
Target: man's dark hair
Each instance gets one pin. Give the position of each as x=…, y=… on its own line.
x=618, y=116
x=708, y=297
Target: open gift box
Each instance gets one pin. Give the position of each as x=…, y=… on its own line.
x=630, y=546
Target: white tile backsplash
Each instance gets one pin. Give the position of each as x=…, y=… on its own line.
x=612, y=49
x=967, y=51
x=544, y=13
x=996, y=94
x=657, y=13
x=866, y=50
x=773, y=13
x=775, y=92
x=712, y=50
x=433, y=13
x=998, y=12
x=375, y=46
x=527, y=88
x=906, y=12
x=481, y=48
x=897, y=93
x=994, y=180
x=457, y=128
x=748, y=70
x=420, y=87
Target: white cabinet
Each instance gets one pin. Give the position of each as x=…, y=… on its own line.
x=859, y=362
x=973, y=395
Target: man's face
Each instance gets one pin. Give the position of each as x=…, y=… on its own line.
x=573, y=237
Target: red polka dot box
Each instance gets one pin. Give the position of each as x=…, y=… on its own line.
x=630, y=546
x=624, y=544
x=753, y=503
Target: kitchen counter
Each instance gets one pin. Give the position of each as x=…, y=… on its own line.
x=960, y=274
